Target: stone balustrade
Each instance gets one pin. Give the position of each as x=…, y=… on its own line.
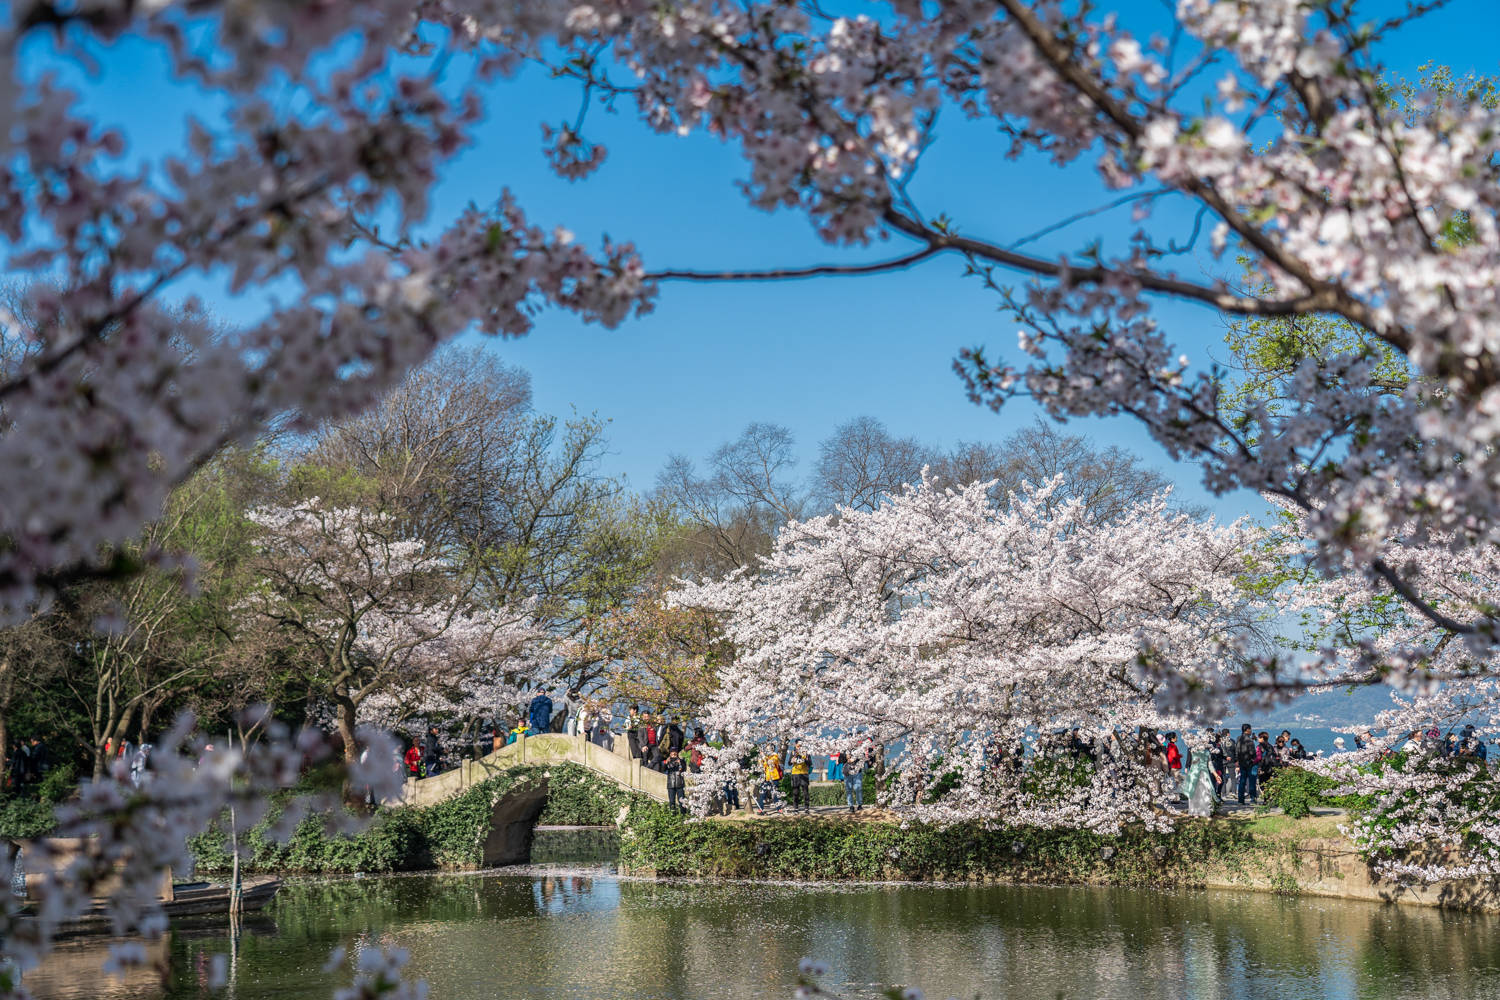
x=549, y=748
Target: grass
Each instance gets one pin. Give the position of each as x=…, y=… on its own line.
x=1268, y=824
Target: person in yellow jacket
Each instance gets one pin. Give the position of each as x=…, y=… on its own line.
x=770, y=763
x=799, y=769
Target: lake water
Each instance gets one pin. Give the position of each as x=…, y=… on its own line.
x=560, y=932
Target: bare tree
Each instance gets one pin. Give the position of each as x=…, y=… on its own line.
x=1108, y=480
x=731, y=514
x=438, y=445
x=457, y=453
x=861, y=464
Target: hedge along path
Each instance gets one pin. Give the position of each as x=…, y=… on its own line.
x=531, y=751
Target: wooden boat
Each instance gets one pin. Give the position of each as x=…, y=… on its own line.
x=177, y=899
x=189, y=899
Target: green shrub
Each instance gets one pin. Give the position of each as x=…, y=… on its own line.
x=450, y=834
x=576, y=797
x=659, y=841
x=1296, y=791
x=57, y=784
x=23, y=817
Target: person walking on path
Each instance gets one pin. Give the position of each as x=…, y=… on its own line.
x=1226, y=743
x=1267, y=761
x=20, y=764
x=1217, y=761
x=799, y=768
x=37, y=761
x=1172, y=753
x=1246, y=757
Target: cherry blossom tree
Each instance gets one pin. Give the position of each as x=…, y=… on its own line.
x=959, y=628
x=367, y=612
x=1429, y=814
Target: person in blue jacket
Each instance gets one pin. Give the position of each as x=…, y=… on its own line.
x=539, y=714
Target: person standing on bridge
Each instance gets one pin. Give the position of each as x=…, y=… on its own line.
x=651, y=752
x=603, y=735
x=539, y=714
x=572, y=704
x=633, y=732
x=695, y=747
x=432, y=753
x=675, y=738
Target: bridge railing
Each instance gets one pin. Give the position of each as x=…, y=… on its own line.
x=548, y=748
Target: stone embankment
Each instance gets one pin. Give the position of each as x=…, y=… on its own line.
x=1268, y=853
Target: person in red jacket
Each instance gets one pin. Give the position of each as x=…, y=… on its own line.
x=1174, y=755
x=413, y=761
x=695, y=751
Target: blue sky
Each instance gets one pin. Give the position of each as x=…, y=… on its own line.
x=810, y=354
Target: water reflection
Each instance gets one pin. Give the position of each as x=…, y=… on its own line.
x=579, y=933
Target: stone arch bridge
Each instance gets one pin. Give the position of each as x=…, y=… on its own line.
x=516, y=811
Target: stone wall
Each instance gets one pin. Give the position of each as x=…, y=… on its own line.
x=1331, y=867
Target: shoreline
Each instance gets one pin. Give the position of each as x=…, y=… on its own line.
x=600, y=871
x=1264, y=853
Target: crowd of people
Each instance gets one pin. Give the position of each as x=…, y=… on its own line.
x=28, y=764
x=656, y=739
x=796, y=766
x=1240, y=766
x=1237, y=766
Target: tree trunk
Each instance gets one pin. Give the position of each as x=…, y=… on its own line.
x=346, y=711
x=7, y=680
